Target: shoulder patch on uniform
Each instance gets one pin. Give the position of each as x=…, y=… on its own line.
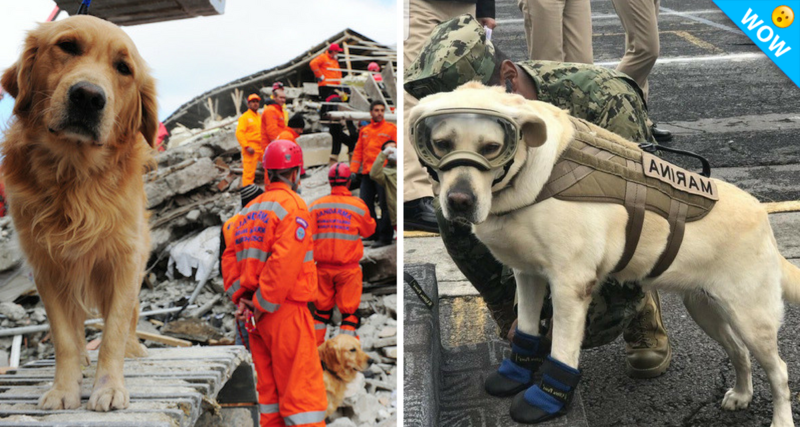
x=303, y=223
x=300, y=233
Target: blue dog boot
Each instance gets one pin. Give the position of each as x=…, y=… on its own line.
x=549, y=399
x=516, y=373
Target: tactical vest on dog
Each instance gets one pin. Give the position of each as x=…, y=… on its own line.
x=599, y=166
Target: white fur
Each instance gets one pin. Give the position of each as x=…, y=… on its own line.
x=729, y=269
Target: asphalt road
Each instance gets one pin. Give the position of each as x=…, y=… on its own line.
x=727, y=101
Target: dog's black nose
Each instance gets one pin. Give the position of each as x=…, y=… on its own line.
x=460, y=201
x=87, y=97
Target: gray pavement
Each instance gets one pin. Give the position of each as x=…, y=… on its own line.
x=725, y=100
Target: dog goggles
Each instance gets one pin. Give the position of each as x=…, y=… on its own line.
x=434, y=137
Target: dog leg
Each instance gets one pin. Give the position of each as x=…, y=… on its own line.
x=570, y=305
x=530, y=291
x=757, y=321
x=79, y=317
x=66, y=390
x=109, y=390
x=560, y=375
x=708, y=316
x=133, y=348
x=516, y=373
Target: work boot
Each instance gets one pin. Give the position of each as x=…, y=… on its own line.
x=662, y=136
x=420, y=215
x=504, y=315
x=647, y=348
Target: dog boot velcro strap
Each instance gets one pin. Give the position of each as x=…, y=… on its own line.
x=550, y=398
x=516, y=373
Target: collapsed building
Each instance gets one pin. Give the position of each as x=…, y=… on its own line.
x=192, y=192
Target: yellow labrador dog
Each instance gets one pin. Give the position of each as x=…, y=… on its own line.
x=74, y=156
x=728, y=267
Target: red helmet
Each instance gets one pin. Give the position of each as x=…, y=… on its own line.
x=282, y=154
x=335, y=47
x=339, y=174
x=277, y=85
x=373, y=66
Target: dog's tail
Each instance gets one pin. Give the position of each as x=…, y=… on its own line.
x=790, y=282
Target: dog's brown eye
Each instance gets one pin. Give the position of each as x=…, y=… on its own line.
x=123, y=69
x=69, y=47
x=352, y=350
x=490, y=149
x=442, y=144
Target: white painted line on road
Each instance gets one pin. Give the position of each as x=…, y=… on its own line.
x=664, y=61
x=704, y=21
x=614, y=15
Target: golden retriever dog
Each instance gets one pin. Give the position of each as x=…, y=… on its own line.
x=341, y=358
x=728, y=268
x=74, y=158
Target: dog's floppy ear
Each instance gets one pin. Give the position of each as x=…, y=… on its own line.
x=149, y=122
x=17, y=80
x=329, y=356
x=533, y=128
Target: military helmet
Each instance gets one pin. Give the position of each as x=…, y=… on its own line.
x=456, y=53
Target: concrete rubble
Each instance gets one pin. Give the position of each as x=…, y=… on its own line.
x=192, y=192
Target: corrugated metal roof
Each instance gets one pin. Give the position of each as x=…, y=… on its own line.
x=134, y=12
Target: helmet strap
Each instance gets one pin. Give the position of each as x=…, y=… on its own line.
x=292, y=182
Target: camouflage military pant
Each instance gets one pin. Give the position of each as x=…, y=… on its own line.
x=614, y=305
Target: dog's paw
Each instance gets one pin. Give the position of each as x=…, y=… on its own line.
x=57, y=398
x=734, y=400
x=105, y=399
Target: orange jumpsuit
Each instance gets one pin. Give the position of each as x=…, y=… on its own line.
x=340, y=218
x=321, y=66
x=289, y=135
x=248, y=133
x=271, y=261
x=370, y=139
x=272, y=124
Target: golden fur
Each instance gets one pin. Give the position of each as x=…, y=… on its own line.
x=342, y=356
x=76, y=194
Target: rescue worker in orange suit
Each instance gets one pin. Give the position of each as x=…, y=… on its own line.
x=370, y=142
x=248, y=133
x=273, y=122
x=326, y=70
x=375, y=69
x=340, y=219
x=270, y=269
x=294, y=128
x=275, y=87
x=247, y=194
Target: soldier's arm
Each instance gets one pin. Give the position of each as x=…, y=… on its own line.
x=626, y=116
x=376, y=173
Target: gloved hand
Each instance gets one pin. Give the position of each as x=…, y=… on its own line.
x=389, y=151
x=320, y=78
